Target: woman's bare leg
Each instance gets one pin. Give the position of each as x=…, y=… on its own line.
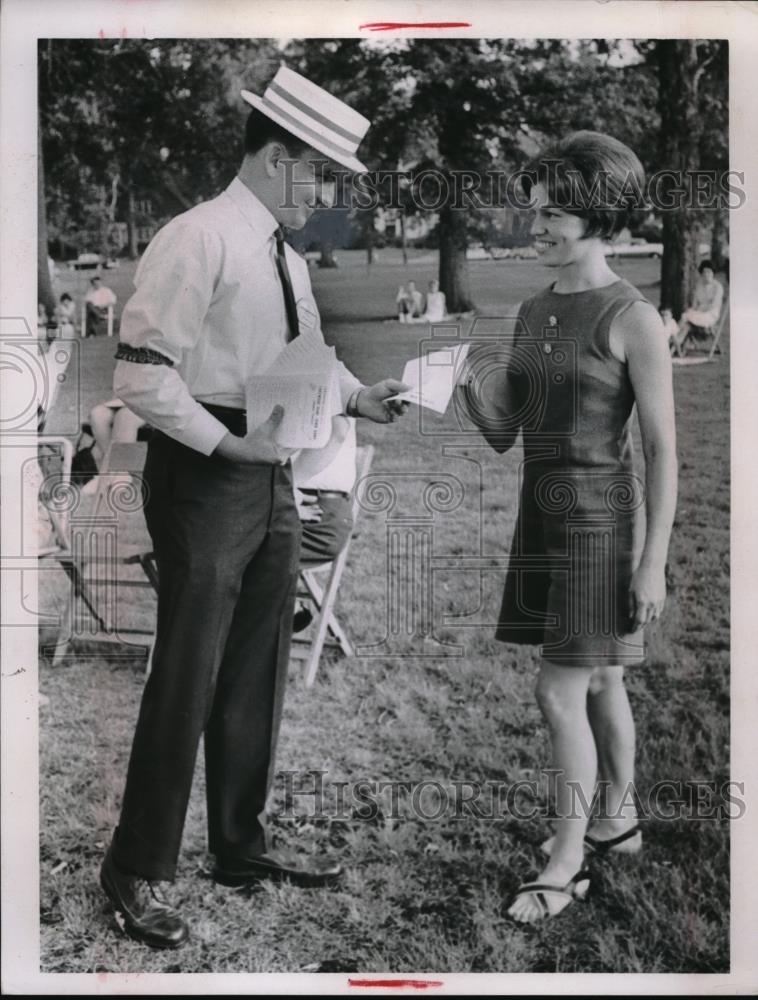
x=562, y=696
x=610, y=717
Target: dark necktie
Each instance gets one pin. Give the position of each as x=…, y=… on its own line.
x=284, y=276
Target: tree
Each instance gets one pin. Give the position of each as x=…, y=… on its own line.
x=478, y=106
x=45, y=294
x=127, y=121
x=681, y=65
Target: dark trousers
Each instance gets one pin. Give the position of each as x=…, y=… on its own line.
x=226, y=539
x=97, y=320
x=323, y=540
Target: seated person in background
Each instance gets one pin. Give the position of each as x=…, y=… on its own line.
x=111, y=421
x=97, y=301
x=323, y=480
x=435, y=304
x=66, y=312
x=41, y=321
x=410, y=303
x=670, y=325
x=706, y=307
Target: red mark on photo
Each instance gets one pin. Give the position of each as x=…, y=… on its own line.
x=395, y=25
x=390, y=984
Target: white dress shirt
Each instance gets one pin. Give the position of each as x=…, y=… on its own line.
x=210, y=300
x=101, y=297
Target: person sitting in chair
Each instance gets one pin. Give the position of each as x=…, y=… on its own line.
x=67, y=313
x=323, y=480
x=110, y=421
x=97, y=302
x=706, y=307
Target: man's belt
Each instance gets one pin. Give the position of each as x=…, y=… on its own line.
x=233, y=419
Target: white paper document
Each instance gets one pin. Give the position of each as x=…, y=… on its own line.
x=433, y=377
x=304, y=380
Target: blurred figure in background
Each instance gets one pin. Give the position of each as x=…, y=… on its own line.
x=410, y=303
x=67, y=313
x=706, y=306
x=97, y=302
x=436, y=309
x=670, y=325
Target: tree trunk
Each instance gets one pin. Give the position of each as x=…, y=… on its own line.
x=131, y=223
x=454, y=276
x=367, y=224
x=327, y=256
x=403, y=239
x=681, y=125
x=45, y=293
x=719, y=238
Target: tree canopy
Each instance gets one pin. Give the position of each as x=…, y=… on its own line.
x=138, y=130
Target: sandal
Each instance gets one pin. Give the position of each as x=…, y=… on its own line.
x=615, y=845
x=576, y=888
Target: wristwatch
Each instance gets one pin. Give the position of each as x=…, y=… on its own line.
x=351, y=409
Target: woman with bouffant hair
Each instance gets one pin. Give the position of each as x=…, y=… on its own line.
x=585, y=576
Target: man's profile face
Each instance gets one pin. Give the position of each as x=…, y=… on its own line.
x=308, y=183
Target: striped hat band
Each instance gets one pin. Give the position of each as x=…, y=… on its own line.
x=313, y=115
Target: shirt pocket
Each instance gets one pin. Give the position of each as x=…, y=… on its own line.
x=307, y=314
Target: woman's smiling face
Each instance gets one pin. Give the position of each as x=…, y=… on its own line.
x=558, y=234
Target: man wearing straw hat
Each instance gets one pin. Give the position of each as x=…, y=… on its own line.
x=218, y=295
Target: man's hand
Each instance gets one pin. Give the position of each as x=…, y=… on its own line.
x=307, y=506
x=375, y=404
x=258, y=446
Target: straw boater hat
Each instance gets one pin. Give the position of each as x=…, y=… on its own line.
x=313, y=115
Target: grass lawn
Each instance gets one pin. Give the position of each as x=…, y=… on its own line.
x=421, y=894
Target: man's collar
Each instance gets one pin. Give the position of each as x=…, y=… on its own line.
x=252, y=209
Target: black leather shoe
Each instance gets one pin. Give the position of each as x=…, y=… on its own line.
x=237, y=872
x=148, y=916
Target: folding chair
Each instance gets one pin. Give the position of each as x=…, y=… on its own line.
x=99, y=551
x=700, y=341
x=326, y=629
x=84, y=320
x=54, y=362
x=53, y=488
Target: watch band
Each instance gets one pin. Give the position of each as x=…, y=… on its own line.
x=351, y=409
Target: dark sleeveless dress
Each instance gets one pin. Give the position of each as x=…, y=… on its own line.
x=581, y=504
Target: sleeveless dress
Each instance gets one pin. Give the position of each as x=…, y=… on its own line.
x=581, y=505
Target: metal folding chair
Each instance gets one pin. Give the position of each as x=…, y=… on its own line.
x=53, y=489
x=707, y=338
x=112, y=536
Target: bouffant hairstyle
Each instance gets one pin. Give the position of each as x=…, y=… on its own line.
x=261, y=130
x=591, y=175
x=706, y=263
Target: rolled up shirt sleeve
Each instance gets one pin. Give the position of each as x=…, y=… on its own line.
x=348, y=385
x=174, y=287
